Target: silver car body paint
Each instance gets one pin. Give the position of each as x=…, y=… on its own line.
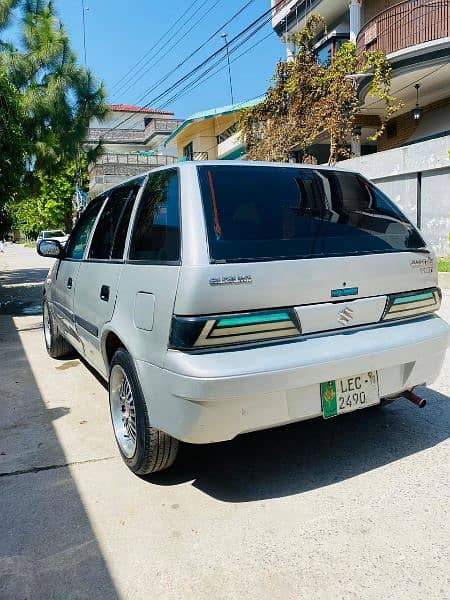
x=213, y=396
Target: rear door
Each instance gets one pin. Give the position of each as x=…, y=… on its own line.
x=149, y=279
x=99, y=273
x=63, y=287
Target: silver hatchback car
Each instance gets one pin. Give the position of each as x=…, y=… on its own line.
x=221, y=297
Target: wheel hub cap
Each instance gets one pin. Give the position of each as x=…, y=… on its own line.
x=123, y=411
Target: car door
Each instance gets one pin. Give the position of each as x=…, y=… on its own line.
x=99, y=273
x=148, y=283
x=63, y=286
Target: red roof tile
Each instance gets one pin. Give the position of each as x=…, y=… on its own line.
x=137, y=109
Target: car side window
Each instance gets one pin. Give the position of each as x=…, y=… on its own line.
x=156, y=235
x=110, y=233
x=80, y=235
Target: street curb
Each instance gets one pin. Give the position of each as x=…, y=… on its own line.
x=444, y=280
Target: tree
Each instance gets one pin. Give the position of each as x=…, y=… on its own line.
x=51, y=207
x=12, y=148
x=307, y=99
x=60, y=97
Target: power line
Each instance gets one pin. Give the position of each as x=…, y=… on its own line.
x=201, y=77
x=154, y=60
x=222, y=68
x=83, y=9
x=125, y=76
x=197, y=50
x=210, y=58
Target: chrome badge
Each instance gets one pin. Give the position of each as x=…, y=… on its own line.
x=345, y=316
x=345, y=291
x=231, y=280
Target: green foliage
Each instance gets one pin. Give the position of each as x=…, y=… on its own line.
x=12, y=148
x=307, y=99
x=58, y=97
x=444, y=265
x=50, y=206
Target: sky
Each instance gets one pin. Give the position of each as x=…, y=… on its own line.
x=119, y=34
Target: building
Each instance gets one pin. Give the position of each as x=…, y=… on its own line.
x=211, y=134
x=132, y=138
x=411, y=160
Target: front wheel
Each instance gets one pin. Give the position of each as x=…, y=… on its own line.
x=57, y=346
x=144, y=448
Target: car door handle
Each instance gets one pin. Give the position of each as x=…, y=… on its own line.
x=69, y=283
x=104, y=293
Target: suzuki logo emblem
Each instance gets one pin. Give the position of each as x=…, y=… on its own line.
x=345, y=316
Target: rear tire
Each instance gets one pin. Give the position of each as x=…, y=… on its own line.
x=57, y=346
x=144, y=448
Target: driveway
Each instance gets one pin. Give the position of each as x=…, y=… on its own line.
x=354, y=507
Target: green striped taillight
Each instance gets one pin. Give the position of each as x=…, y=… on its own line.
x=412, y=304
x=242, y=328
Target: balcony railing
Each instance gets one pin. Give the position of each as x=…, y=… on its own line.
x=136, y=159
x=227, y=133
x=406, y=24
x=200, y=156
x=154, y=127
x=279, y=5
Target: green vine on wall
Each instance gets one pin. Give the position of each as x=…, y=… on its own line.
x=308, y=101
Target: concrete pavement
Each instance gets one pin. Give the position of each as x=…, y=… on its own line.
x=355, y=507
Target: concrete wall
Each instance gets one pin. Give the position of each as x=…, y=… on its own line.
x=396, y=173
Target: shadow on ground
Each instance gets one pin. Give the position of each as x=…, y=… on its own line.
x=21, y=291
x=48, y=548
x=312, y=454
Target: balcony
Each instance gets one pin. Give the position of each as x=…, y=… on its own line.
x=135, y=159
x=289, y=16
x=161, y=127
x=280, y=5
x=231, y=147
x=111, y=169
x=405, y=25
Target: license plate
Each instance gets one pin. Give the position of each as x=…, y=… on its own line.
x=349, y=393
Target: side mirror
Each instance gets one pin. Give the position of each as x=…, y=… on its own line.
x=50, y=249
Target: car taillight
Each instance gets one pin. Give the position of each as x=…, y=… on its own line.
x=411, y=304
x=191, y=333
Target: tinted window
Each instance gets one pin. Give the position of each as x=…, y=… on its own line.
x=266, y=213
x=50, y=234
x=156, y=234
x=114, y=219
x=80, y=235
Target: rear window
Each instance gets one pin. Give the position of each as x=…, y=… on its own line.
x=56, y=233
x=272, y=213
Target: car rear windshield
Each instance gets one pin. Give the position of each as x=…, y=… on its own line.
x=277, y=213
x=56, y=233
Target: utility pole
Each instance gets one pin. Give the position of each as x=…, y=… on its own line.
x=83, y=9
x=225, y=37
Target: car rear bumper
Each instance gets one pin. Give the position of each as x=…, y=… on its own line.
x=211, y=397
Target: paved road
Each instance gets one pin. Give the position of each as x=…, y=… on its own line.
x=356, y=507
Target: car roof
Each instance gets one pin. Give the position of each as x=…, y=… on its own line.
x=246, y=163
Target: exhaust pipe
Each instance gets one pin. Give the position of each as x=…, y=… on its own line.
x=415, y=399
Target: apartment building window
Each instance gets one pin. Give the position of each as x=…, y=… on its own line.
x=326, y=51
x=188, y=151
x=227, y=133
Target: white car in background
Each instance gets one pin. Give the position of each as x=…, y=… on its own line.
x=222, y=297
x=53, y=234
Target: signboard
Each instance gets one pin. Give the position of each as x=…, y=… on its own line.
x=371, y=33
